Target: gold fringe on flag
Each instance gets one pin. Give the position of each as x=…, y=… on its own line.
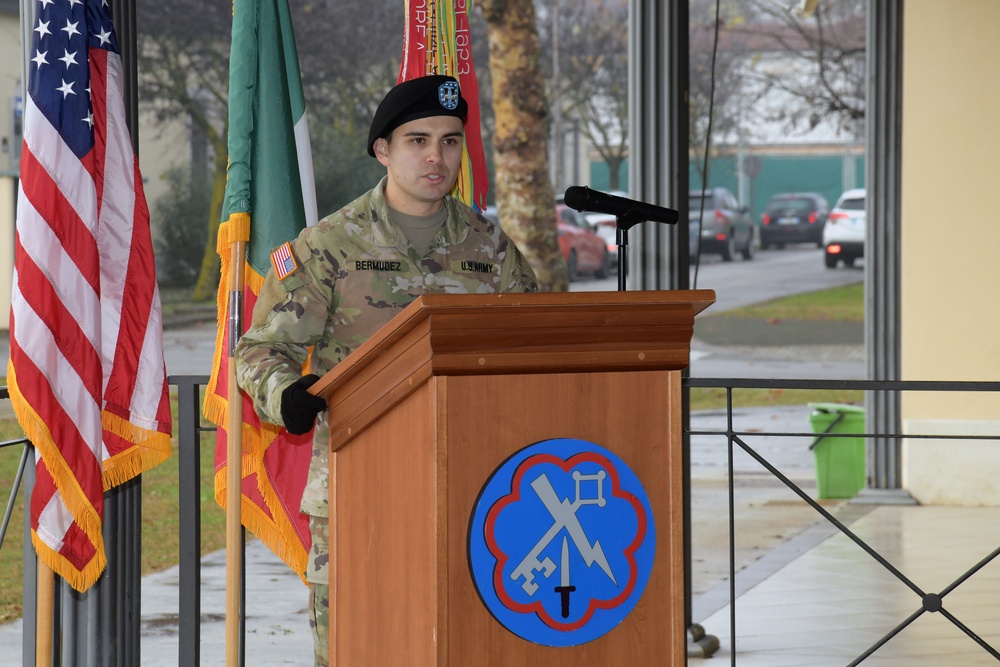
x=73, y=497
x=237, y=228
x=275, y=531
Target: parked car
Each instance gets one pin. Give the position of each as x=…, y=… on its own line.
x=794, y=218
x=582, y=248
x=844, y=232
x=606, y=227
x=726, y=227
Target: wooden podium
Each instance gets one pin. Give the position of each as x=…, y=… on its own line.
x=424, y=412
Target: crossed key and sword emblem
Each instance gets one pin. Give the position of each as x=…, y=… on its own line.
x=564, y=516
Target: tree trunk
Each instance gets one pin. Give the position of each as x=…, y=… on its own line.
x=525, y=197
x=208, y=277
x=614, y=167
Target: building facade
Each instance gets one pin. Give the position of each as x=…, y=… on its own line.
x=949, y=322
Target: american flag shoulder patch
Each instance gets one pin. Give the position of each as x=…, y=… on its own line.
x=283, y=261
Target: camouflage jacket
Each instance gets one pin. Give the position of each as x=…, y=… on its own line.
x=354, y=271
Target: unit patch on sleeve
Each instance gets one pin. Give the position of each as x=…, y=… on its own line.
x=283, y=261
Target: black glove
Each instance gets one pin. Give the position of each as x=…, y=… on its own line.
x=298, y=407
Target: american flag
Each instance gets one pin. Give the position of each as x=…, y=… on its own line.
x=283, y=260
x=86, y=374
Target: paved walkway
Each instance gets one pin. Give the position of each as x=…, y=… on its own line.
x=820, y=600
x=277, y=616
x=806, y=593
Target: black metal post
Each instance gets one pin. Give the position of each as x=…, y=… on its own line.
x=189, y=510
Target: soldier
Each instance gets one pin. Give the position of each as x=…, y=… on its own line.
x=341, y=280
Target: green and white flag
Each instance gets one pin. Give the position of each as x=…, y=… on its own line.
x=270, y=197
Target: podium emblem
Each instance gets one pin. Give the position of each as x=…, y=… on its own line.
x=561, y=542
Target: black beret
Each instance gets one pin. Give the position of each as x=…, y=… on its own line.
x=434, y=95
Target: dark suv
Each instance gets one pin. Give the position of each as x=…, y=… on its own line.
x=794, y=218
x=726, y=226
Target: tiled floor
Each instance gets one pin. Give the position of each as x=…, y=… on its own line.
x=835, y=602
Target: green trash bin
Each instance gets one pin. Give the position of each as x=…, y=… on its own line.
x=840, y=461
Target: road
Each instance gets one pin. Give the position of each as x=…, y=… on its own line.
x=771, y=274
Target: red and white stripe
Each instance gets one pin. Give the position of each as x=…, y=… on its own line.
x=86, y=331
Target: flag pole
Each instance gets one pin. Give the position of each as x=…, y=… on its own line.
x=43, y=616
x=234, y=459
x=44, y=576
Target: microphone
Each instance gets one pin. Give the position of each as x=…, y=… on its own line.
x=583, y=198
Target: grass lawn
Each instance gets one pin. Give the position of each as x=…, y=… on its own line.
x=838, y=304
x=844, y=304
x=11, y=569
x=712, y=398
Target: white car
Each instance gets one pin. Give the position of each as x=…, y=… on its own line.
x=844, y=232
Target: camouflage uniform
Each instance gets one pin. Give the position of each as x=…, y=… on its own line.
x=355, y=272
x=319, y=593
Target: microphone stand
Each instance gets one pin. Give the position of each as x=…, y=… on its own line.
x=700, y=644
x=622, y=224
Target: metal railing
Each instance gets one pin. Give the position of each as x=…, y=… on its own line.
x=190, y=429
x=927, y=601
x=15, y=487
x=122, y=648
